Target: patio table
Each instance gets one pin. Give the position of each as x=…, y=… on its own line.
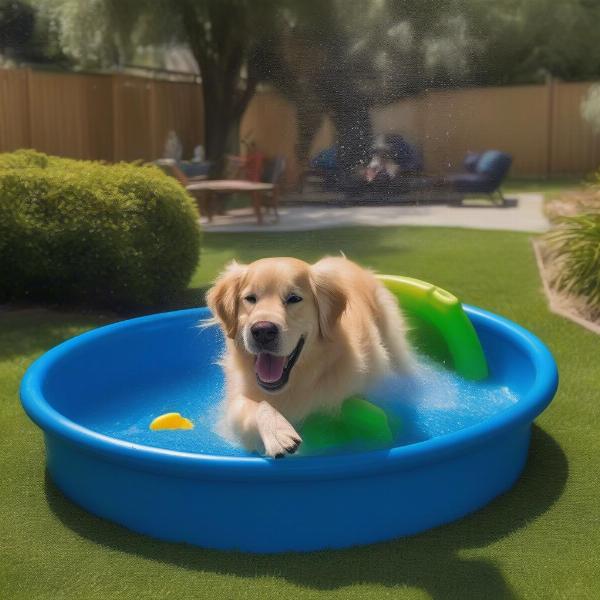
x=257, y=191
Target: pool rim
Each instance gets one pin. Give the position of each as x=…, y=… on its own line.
x=164, y=461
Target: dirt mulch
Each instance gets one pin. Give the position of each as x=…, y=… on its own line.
x=561, y=303
x=570, y=204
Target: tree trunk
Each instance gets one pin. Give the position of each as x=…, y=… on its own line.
x=223, y=108
x=220, y=57
x=216, y=131
x=353, y=127
x=349, y=110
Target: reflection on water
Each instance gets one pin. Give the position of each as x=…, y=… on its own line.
x=436, y=401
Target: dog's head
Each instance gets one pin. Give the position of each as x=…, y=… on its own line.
x=276, y=309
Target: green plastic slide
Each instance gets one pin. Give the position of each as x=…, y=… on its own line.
x=440, y=329
x=439, y=326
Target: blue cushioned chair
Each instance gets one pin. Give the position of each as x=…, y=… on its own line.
x=484, y=174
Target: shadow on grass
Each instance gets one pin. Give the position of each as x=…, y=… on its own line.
x=30, y=329
x=33, y=330
x=430, y=561
x=190, y=298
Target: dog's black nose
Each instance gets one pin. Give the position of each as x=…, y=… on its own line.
x=264, y=332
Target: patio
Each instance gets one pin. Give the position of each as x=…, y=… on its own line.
x=526, y=215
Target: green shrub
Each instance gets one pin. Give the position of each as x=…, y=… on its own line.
x=77, y=231
x=22, y=159
x=575, y=247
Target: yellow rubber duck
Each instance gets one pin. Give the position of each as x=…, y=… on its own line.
x=171, y=421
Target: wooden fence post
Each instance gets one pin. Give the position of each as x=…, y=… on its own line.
x=29, y=108
x=153, y=119
x=550, y=93
x=115, y=118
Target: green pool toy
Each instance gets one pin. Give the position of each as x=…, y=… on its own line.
x=440, y=329
x=359, y=422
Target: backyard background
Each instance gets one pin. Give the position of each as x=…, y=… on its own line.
x=87, y=240
x=122, y=117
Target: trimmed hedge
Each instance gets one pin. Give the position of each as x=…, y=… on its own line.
x=118, y=235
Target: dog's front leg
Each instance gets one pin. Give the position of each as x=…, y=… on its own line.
x=277, y=434
x=259, y=424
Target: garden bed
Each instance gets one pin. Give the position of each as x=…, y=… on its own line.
x=570, y=306
x=567, y=257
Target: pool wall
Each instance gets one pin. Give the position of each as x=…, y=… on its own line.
x=263, y=505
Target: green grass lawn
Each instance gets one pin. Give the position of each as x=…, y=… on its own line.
x=540, y=540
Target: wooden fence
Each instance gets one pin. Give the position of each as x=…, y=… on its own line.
x=109, y=117
x=121, y=117
x=540, y=125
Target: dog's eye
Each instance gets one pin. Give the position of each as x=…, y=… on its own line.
x=250, y=298
x=293, y=299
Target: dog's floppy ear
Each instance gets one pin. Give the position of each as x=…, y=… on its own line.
x=223, y=297
x=329, y=296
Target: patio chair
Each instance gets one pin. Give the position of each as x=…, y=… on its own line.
x=484, y=174
x=273, y=173
x=171, y=167
x=194, y=170
x=184, y=175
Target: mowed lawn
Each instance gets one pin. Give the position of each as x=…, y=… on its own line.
x=540, y=540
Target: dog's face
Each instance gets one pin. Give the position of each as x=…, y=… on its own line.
x=276, y=309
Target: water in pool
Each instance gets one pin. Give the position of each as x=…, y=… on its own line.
x=431, y=403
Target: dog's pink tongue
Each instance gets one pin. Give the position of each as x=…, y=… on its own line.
x=269, y=368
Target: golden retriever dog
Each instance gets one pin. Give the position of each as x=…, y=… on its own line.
x=301, y=338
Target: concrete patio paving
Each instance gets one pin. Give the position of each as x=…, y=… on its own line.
x=527, y=215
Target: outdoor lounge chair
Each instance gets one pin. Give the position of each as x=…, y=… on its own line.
x=484, y=174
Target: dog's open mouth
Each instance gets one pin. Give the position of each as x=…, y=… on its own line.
x=273, y=372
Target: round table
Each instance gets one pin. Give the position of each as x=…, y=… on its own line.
x=256, y=189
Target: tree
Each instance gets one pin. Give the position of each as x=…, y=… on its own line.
x=338, y=57
x=222, y=35
x=16, y=26
x=323, y=76
x=341, y=59
x=350, y=56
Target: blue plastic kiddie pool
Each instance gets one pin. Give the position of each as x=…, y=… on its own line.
x=462, y=443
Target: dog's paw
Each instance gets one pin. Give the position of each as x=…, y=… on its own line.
x=278, y=436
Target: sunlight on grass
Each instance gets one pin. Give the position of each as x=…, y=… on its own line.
x=53, y=549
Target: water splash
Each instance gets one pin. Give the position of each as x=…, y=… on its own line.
x=430, y=403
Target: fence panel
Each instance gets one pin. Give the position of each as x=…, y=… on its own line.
x=134, y=137
x=539, y=125
x=105, y=117
x=177, y=107
x=121, y=117
x=575, y=146
x=71, y=115
x=512, y=119
x=14, y=114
